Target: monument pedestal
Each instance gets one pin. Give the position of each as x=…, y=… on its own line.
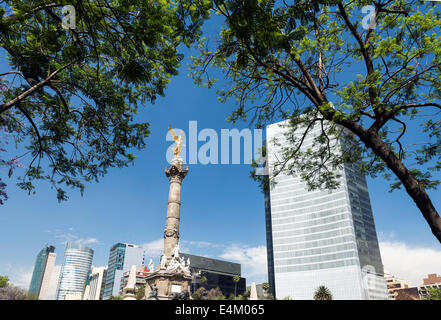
x=129, y=296
x=167, y=283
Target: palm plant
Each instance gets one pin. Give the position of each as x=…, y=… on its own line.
x=322, y=293
x=236, y=279
x=204, y=280
x=265, y=287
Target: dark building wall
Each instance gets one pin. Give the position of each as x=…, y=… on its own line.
x=219, y=274
x=222, y=281
x=214, y=265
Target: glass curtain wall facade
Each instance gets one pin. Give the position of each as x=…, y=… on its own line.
x=320, y=237
x=75, y=269
x=42, y=272
x=122, y=257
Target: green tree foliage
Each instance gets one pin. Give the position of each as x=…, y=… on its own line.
x=197, y=295
x=212, y=294
x=71, y=95
x=140, y=294
x=4, y=281
x=11, y=292
x=312, y=62
x=270, y=297
x=433, y=294
x=116, y=298
x=219, y=297
x=265, y=288
x=31, y=296
x=215, y=294
x=322, y=293
x=204, y=280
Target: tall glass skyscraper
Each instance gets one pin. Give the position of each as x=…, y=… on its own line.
x=122, y=257
x=75, y=270
x=321, y=237
x=42, y=273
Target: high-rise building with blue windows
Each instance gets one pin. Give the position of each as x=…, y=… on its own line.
x=42, y=274
x=122, y=257
x=77, y=263
x=320, y=237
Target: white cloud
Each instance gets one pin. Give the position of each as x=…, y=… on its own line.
x=154, y=248
x=71, y=237
x=87, y=241
x=66, y=237
x=202, y=244
x=252, y=259
x=21, y=277
x=411, y=263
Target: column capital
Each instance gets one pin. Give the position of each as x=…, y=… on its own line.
x=176, y=172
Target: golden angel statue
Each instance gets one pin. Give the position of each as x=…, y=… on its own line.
x=178, y=141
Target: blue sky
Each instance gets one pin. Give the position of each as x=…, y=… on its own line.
x=222, y=213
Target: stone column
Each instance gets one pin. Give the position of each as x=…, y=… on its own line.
x=130, y=288
x=176, y=173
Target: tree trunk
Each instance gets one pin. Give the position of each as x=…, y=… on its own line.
x=413, y=187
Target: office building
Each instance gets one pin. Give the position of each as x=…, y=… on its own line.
x=219, y=274
x=394, y=285
x=433, y=281
x=320, y=237
x=52, y=291
x=122, y=257
x=42, y=274
x=73, y=296
x=95, y=284
x=432, y=278
x=141, y=274
x=74, y=272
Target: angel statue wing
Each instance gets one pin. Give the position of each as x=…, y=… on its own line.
x=178, y=140
x=175, y=137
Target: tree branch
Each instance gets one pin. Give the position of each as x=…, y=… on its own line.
x=28, y=116
x=31, y=90
x=364, y=52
